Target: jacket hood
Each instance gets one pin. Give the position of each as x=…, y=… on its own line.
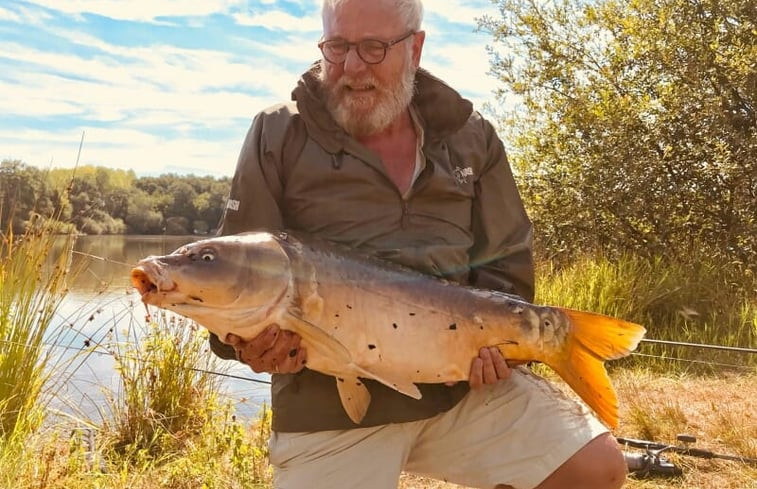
x=442, y=110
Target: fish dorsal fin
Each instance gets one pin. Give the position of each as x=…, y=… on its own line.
x=354, y=396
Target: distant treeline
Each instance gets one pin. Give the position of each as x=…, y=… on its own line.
x=97, y=200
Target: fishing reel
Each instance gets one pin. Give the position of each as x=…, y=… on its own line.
x=651, y=462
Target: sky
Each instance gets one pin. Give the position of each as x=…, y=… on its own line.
x=161, y=86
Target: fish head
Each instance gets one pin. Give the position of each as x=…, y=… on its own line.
x=222, y=283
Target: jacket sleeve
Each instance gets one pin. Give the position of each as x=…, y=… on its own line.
x=257, y=187
x=501, y=257
x=256, y=191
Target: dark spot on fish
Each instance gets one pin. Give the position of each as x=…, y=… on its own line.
x=304, y=362
x=172, y=305
x=340, y=379
x=417, y=371
x=453, y=326
x=412, y=314
x=293, y=353
x=438, y=375
x=196, y=298
x=336, y=315
x=92, y=317
x=394, y=325
x=349, y=306
x=87, y=343
x=371, y=347
x=358, y=383
x=481, y=328
x=547, y=323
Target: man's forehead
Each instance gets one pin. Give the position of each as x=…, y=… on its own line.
x=361, y=18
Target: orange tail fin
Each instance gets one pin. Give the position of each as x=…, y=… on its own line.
x=595, y=338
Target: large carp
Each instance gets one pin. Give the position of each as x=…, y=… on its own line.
x=361, y=317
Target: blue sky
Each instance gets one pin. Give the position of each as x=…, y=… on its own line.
x=172, y=86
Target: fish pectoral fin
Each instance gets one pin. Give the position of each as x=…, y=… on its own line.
x=354, y=396
x=320, y=342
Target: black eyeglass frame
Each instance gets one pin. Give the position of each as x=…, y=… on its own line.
x=384, y=44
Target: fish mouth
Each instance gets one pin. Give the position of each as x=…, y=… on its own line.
x=150, y=283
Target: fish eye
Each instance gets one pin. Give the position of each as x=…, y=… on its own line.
x=207, y=255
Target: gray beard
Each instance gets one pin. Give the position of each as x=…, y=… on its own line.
x=358, y=120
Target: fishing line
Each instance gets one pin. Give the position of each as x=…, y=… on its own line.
x=100, y=258
x=702, y=362
x=128, y=357
x=701, y=345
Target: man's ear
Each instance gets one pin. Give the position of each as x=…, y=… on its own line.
x=418, y=39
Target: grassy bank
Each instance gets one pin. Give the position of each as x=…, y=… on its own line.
x=168, y=426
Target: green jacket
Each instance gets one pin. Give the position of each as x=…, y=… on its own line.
x=463, y=219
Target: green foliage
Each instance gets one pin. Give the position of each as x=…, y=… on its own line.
x=96, y=200
x=686, y=302
x=637, y=130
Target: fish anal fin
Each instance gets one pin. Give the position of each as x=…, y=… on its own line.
x=354, y=396
x=595, y=338
x=400, y=385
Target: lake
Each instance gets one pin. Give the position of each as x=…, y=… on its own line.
x=101, y=307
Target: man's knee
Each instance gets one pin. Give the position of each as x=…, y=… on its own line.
x=599, y=465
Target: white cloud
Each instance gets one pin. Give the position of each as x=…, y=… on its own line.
x=7, y=15
x=458, y=11
x=148, y=106
x=276, y=19
x=140, y=10
x=189, y=83
x=124, y=148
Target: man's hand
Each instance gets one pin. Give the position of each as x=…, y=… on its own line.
x=488, y=367
x=274, y=351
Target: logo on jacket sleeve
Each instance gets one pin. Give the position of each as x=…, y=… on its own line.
x=232, y=204
x=462, y=174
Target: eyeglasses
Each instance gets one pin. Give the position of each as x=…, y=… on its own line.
x=371, y=51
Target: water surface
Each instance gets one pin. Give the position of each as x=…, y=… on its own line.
x=101, y=308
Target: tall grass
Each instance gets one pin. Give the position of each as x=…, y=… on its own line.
x=32, y=287
x=695, y=302
x=166, y=389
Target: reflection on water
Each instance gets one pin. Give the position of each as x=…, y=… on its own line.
x=100, y=305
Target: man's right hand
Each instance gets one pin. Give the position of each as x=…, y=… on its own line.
x=274, y=351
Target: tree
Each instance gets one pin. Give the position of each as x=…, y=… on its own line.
x=637, y=129
x=23, y=193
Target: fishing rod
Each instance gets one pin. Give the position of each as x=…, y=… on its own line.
x=652, y=462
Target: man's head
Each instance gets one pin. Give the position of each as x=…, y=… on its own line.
x=368, y=84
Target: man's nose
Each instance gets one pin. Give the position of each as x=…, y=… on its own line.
x=353, y=63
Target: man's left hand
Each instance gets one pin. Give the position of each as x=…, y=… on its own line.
x=489, y=367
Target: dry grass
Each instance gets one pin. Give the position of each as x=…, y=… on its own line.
x=720, y=411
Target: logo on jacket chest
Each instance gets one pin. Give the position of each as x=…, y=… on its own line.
x=462, y=174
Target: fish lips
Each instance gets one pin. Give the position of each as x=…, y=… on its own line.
x=153, y=285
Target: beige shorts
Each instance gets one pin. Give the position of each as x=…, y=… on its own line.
x=516, y=432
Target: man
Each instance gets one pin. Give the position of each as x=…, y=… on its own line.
x=380, y=155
